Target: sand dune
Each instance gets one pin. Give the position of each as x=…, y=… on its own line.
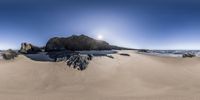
x=138, y=77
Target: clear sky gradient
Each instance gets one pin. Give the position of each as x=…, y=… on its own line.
x=150, y=24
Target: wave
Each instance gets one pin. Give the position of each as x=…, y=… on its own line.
x=172, y=53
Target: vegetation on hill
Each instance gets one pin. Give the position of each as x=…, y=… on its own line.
x=74, y=42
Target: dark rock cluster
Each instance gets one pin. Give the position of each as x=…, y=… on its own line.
x=78, y=61
x=124, y=54
x=188, y=55
x=9, y=54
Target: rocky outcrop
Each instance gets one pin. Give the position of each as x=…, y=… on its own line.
x=76, y=61
x=79, y=62
x=9, y=54
x=124, y=54
x=74, y=42
x=143, y=50
x=190, y=55
x=27, y=48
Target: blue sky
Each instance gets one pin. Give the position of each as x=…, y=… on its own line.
x=152, y=24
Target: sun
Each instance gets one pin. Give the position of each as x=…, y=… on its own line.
x=99, y=37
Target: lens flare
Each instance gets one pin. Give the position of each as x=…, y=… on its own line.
x=99, y=37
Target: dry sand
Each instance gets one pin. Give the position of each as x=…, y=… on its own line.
x=138, y=77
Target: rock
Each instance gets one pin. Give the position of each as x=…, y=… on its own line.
x=27, y=48
x=110, y=56
x=143, y=50
x=90, y=56
x=79, y=62
x=74, y=42
x=190, y=55
x=59, y=55
x=124, y=54
x=9, y=54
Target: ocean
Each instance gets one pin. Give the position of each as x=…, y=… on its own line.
x=172, y=53
x=167, y=53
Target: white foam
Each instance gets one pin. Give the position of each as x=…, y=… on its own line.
x=172, y=53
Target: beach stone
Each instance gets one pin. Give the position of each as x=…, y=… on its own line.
x=78, y=62
x=9, y=54
x=124, y=54
x=188, y=55
x=27, y=48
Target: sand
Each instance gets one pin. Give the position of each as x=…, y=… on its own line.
x=138, y=77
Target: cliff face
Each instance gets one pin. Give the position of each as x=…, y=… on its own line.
x=75, y=42
x=27, y=48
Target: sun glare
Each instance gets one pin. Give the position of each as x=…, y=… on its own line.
x=99, y=37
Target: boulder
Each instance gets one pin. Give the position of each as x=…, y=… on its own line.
x=124, y=54
x=9, y=54
x=79, y=62
x=190, y=55
x=27, y=48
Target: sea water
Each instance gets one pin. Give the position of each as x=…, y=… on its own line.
x=172, y=53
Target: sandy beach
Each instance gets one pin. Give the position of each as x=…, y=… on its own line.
x=137, y=77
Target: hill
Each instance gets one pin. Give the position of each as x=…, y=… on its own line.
x=77, y=42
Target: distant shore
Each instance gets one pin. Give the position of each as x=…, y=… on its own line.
x=170, y=53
